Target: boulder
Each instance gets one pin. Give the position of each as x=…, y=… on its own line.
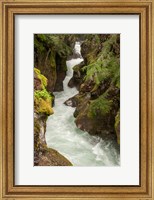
x=101, y=125
x=78, y=99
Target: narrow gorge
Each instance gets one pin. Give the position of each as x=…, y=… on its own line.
x=77, y=100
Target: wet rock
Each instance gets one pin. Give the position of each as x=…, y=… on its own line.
x=61, y=69
x=77, y=78
x=59, y=82
x=76, y=55
x=87, y=86
x=37, y=84
x=50, y=57
x=51, y=157
x=117, y=126
x=100, y=125
x=70, y=102
x=44, y=156
x=78, y=99
x=71, y=83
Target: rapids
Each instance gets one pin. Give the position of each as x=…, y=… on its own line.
x=76, y=145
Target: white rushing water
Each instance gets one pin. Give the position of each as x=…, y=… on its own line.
x=62, y=134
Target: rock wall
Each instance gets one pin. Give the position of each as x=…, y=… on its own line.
x=98, y=81
x=50, y=55
x=43, y=156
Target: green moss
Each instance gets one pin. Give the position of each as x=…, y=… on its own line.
x=36, y=135
x=117, y=119
x=117, y=122
x=42, y=78
x=43, y=106
x=54, y=42
x=43, y=94
x=63, y=64
x=39, y=46
x=42, y=102
x=105, y=65
x=52, y=60
x=42, y=98
x=100, y=106
x=77, y=68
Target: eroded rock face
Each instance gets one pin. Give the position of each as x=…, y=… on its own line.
x=77, y=78
x=97, y=79
x=50, y=55
x=61, y=69
x=54, y=68
x=117, y=126
x=100, y=123
x=77, y=100
x=94, y=78
x=51, y=157
x=43, y=156
x=37, y=83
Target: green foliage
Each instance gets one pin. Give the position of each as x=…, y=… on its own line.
x=36, y=135
x=117, y=123
x=42, y=98
x=100, y=106
x=96, y=72
x=54, y=42
x=42, y=78
x=42, y=102
x=105, y=66
x=42, y=106
x=38, y=45
x=117, y=119
x=42, y=94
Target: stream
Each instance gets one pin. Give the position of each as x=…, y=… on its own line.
x=80, y=148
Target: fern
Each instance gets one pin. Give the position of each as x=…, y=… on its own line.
x=44, y=42
x=100, y=106
x=106, y=66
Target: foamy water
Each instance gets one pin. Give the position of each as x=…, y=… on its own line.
x=78, y=146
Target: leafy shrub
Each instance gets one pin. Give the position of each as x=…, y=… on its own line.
x=106, y=65
x=100, y=106
x=44, y=42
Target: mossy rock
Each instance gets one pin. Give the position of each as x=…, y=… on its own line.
x=42, y=78
x=42, y=106
x=36, y=135
x=117, y=126
x=42, y=98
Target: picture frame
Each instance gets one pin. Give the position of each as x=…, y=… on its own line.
x=10, y=8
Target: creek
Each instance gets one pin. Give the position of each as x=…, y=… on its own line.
x=80, y=148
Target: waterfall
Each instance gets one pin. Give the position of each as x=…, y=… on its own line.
x=62, y=134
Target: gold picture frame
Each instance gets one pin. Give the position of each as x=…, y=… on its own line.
x=10, y=8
